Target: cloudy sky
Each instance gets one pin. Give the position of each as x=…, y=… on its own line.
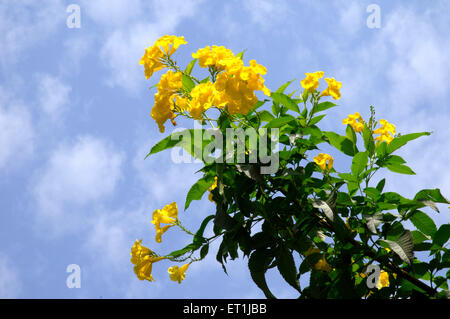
x=75, y=125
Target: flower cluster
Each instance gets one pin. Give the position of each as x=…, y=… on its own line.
x=143, y=259
x=167, y=215
x=385, y=132
x=311, y=83
x=168, y=87
x=355, y=121
x=323, y=160
x=155, y=57
x=232, y=84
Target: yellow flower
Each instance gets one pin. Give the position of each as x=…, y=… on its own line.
x=143, y=259
x=322, y=160
x=355, y=121
x=383, y=280
x=217, y=56
x=203, y=97
x=332, y=89
x=311, y=82
x=154, y=55
x=178, y=273
x=213, y=186
x=385, y=132
x=163, y=110
x=170, y=43
x=167, y=215
x=322, y=264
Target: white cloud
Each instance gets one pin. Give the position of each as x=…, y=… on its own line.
x=24, y=23
x=53, y=95
x=126, y=38
x=75, y=175
x=10, y=284
x=17, y=136
x=265, y=12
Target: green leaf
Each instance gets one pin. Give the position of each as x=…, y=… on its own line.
x=258, y=264
x=322, y=107
x=403, y=246
x=204, y=251
x=359, y=163
x=442, y=235
x=167, y=142
x=240, y=55
x=316, y=119
x=394, y=160
x=188, y=83
x=181, y=252
x=284, y=86
x=432, y=195
x=402, y=169
x=369, y=143
x=285, y=100
x=342, y=143
x=287, y=269
x=423, y=223
x=350, y=132
x=265, y=116
x=190, y=67
x=203, y=225
x=380, y=185
x=418, y=237
x=198, y=189
x=398, y=142
x=280, y=121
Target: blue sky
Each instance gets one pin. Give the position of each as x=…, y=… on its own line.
x=75, y=125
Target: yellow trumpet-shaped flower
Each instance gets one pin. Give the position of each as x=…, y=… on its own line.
x=321, y=264
x=167, y=215
x=322, y=159
x=178, y=273
x=386, y=131
x=213, y=186
x=311, y=82
x=355, y=121
x=153, y=56
x=143, y=259
x=332, y=89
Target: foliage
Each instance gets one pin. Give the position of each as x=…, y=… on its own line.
x=337, y=224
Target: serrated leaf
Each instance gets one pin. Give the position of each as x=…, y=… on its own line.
x=342, y=143
x=423, y=223
x=431, y=194
x=322, y=107
x=316, y=119
x=359, y=163
x=188, y=83
x=398, y=142
x=284, y=86
x=285, y=100
x=198, y=189
x=350, y=132
x=369, y=143
x=373, y=221
x=442, y=235
x=257, y=264
x=401, y=169
x=190, y=67
x=403, y=246
x=280, y=121
x=287, y=269
x=317, y=203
